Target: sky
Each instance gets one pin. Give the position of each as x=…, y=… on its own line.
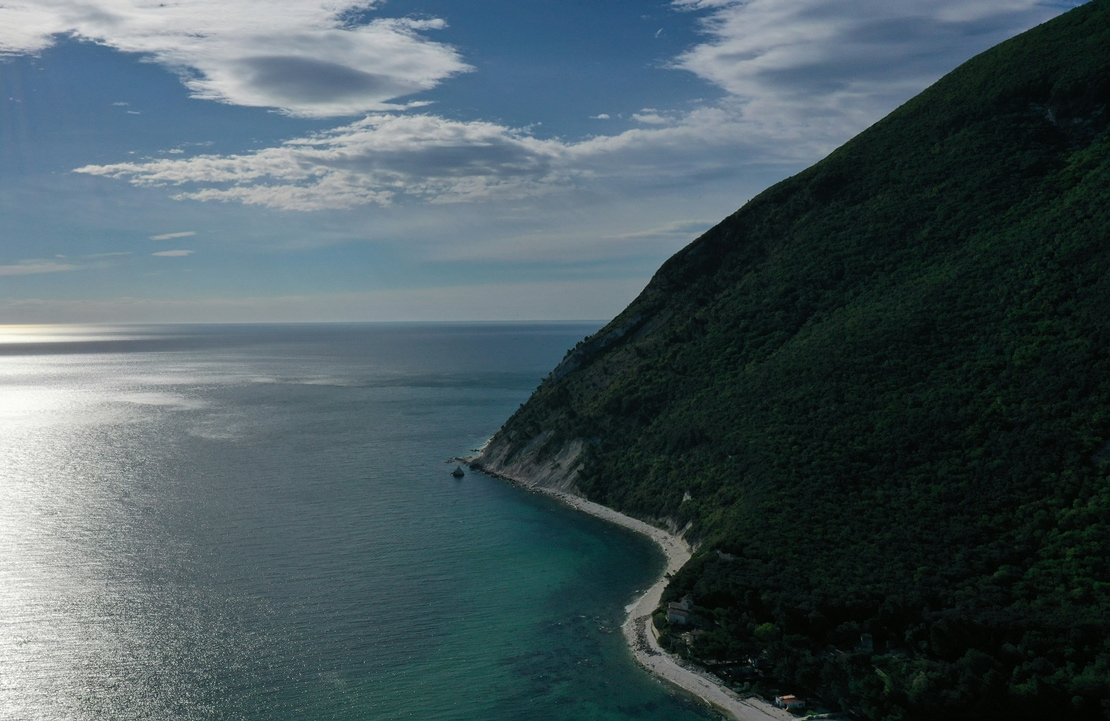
x=419, y=160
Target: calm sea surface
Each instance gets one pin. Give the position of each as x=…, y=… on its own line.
x=256, y=522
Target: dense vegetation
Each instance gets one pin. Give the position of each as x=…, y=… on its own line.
x=879, y=394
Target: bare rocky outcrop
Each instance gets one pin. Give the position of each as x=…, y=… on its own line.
x=534, y=465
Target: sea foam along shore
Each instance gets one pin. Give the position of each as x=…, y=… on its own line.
x=637, y=627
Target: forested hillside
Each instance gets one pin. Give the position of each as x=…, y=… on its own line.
x=879, y=395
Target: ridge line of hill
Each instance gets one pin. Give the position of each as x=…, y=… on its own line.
x=878, y=398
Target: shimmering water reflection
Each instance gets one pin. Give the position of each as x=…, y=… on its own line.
x=257, y=523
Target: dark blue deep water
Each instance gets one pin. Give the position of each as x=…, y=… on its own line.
x=256, y=522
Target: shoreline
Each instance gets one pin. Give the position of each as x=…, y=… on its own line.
x=637, y=627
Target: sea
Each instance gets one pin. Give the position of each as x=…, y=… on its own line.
x=247, y=522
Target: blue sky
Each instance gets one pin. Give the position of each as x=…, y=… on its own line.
x=294, y=160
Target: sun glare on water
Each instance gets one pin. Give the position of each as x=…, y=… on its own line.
x=18, y=334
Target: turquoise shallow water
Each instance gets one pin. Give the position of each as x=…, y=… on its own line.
x=256, y=522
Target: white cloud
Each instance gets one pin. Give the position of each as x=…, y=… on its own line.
x=373, y=160
x=101, y=256
x=650, y=116
x=35, y=267
x=799, y=77
x=302, y=56
x=688, y=229
x=832, y=67
x=171, y=236
x=578, y=245
x=172, y=253
x=600, y=116
x=385, y=158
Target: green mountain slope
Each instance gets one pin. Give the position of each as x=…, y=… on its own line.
x=878, y=395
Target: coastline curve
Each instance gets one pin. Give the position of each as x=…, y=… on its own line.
x=637, y=627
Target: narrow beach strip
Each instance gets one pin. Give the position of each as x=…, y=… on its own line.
x=638, y=631
x=637, y=627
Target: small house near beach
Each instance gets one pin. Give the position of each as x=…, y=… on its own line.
x=790, y=702
x=680, y=611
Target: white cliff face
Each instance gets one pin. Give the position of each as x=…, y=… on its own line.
x=558, y=471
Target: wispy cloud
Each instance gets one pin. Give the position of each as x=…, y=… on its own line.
x=683, y=228
x=374, y=160
x=799, y=79
x=36, y=267
x=651, y=116
x=62, y=264
x=384, y=158
x=830, y=67
x=302, y=56
x=172, y=253
x=171, y=236
x=95, y=257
